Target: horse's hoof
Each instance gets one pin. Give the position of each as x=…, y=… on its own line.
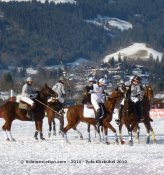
x=54, y=133
x=35, y=138
x=122, y=142
x=42, y=138
x=7, y=139
x=147, y=140
x=89, y=141
x=49, y=135
x=130, y=143
x=107, y=143
x=117, y=142
x=155, y=141
x=13, y=140
x=81, y=137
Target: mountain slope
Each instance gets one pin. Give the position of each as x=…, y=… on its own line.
x=136, y=50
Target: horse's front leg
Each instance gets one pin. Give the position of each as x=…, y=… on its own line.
x=120, y=134
x=108, y=125
x=37, y=130
x=147, y=126
x=79, y=133
x=130, y=134
x=153, y=134
x=54, y=127
x=136, y=131
x=61, y=119
x=106, y=136
x=39, y=124
x=50, y=128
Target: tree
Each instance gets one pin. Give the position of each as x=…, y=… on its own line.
x=7, y=81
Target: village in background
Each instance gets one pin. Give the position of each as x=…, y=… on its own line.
x=77, y=73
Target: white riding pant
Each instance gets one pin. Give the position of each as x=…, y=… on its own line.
x=95, y=104
x=27, y=100
x=122, y=102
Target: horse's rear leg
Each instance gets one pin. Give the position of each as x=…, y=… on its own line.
x=79, y=133
x=7, y=131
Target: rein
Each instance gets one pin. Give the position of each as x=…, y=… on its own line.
x=48, y=107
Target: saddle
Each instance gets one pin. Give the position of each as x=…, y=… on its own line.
x=89, y=111
x=23, y=105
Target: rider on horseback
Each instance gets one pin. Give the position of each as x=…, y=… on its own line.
x=27, y=96
x=97, y=98
x=135, y=93
x=87, y=99
x=60, y=90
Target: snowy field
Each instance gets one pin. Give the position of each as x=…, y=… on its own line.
x=54, y=156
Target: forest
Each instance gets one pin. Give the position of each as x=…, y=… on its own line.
x=33, y=33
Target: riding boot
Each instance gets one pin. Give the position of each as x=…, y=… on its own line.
x=119, y=115
x=141, y=117
x=98, y=115
x=30, y=114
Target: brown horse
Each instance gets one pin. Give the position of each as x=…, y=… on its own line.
x=129, y=117
x=11, y=111
x=54, y=110
x=75, y=116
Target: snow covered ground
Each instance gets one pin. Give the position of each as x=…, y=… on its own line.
x=78, y=158
x=107, y=23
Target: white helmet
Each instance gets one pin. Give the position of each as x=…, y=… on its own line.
x=131, y=78
x=29, y=79
x=102, y=81
x=121, y=81
x=92, y=79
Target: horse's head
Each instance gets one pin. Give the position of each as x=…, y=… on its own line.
x=111, y=101
x=47, y=92
x=117, y=94
x=148, y=92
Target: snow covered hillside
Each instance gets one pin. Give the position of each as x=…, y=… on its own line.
x=108, y=23
x=136, y=50
x=54, y=156
x=43, y=1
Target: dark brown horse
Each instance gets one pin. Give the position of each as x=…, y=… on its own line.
x=75, y=116
x=130, y=119
x=146, y=104
x=11, y=111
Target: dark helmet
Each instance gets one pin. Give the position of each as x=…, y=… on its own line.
x=136, y=78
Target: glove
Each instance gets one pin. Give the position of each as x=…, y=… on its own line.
x=32, y=96
x=91, y=91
